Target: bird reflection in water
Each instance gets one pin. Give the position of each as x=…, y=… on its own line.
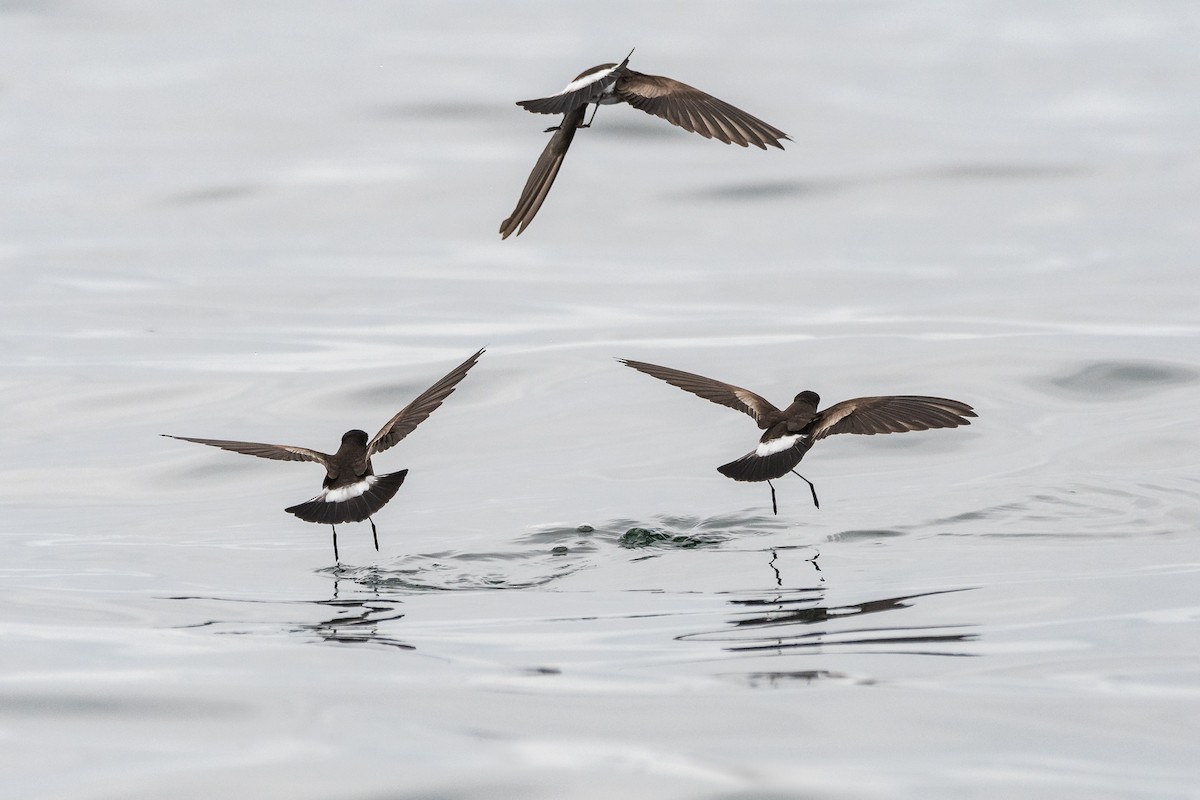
x=779, y=575
x=799, y=620
x=356, y=620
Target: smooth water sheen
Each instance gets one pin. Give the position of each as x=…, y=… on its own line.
x=277, y=221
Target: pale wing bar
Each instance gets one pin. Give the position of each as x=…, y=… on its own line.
x=872, y=415
x=714, y=391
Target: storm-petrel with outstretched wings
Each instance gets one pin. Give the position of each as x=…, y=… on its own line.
x=677, y=103
x=352, y=491
x=790, y=433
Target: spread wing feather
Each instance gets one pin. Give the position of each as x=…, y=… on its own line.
x=277, y=452
x=696, y=111
x=416, y=412
x=542, y=177
x=724, y=394
x=871, y=415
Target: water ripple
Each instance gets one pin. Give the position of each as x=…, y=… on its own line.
x=1120, y=380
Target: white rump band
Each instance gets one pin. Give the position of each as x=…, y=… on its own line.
x=587, y=80
x=777, y=445
x=344, y=493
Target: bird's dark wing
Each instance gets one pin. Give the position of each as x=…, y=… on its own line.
x=696, y=111
x=870, y=415
x=418, y=410
x=718, y=392
x=277, y=452
x=588, y=87
x=543, y=175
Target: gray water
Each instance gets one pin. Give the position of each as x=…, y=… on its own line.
x=277, y=221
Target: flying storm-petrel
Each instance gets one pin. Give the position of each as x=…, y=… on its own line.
x=790, y=433
x=352, y=491
x=677, y=103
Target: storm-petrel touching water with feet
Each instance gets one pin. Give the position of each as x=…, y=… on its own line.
x=790, y=433
x=352, y=491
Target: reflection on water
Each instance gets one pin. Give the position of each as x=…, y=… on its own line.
x=795, y=617
x=768, y=627
x=356, y=623
x=777, y=622
x=773, y=679
x=355, y=620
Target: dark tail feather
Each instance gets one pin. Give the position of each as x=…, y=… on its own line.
x=356, y=509
x=753, y=467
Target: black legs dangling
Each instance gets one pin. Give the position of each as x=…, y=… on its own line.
x=374, y=537
x=811, y=488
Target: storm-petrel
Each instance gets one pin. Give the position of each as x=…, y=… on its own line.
x=352, y=491
x=677, y=103
x=791, y=432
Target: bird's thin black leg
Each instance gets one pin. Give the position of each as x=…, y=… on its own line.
x=774, y=507
x=811, y=488
x=374, y=535
x=336, y=560
x=558, y=127
x=589, y=122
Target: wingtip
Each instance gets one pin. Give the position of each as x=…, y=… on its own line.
x=509, y=228
x=772, y=141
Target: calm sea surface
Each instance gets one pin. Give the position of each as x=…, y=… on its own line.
x=277, y=221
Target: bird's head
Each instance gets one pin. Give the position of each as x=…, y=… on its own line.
x=808, y=398
x=355, y=437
